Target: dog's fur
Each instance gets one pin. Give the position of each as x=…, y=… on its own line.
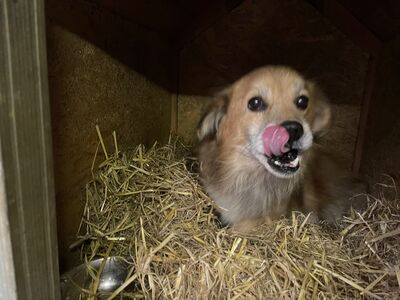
x=234, y=172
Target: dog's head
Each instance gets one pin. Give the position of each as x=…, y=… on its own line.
x=271, y=115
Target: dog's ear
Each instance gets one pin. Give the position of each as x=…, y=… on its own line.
x=322, y=115
x=211, y=120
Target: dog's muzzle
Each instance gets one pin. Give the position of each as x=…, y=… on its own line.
x=279, y=146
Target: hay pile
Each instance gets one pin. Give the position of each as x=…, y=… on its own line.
x=147, y=206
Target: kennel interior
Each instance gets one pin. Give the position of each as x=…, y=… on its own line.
x=145, y=68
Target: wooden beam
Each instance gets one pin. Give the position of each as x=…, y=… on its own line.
x=174, y=93
x=8, y=285
x=26, y=152
x=365, y=108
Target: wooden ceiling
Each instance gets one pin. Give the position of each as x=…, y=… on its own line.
x=178, y=20
x=181, y=20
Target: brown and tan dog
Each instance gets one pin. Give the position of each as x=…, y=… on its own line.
x=257, y=155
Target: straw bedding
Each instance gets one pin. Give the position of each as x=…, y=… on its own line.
x=147, y=206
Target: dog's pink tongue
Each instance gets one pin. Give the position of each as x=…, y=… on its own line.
x=275, y=139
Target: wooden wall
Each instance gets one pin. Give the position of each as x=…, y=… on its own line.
x=107, y=71
x=382, y=145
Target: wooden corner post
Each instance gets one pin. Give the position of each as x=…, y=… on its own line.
x=28, y=243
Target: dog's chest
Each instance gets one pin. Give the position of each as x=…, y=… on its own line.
x=252, y=195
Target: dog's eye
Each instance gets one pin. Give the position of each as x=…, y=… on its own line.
x=256, y=104
x=301, y=102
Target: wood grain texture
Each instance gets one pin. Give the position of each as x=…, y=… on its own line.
x=381, y=145
x=8, y=289
x=26, y=148
x=365, y=110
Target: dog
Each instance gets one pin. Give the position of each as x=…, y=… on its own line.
x=258, y=154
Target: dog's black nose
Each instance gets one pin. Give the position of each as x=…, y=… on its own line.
x=295, y=130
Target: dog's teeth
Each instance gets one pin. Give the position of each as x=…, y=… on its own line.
x=294, y=163
x=277, y=163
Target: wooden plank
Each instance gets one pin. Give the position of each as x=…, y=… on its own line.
x=365, y=108
x=8, y=289
x=26, y=148
x=174, y=77
x=174, y=113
